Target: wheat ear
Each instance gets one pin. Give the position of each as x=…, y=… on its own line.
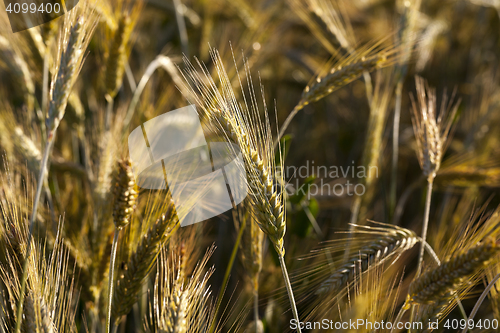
x=433, y=284
x=125, y=194
x=180, y=301
x=432, y=135
x=336, y=79
x=141, y=261
x=115, y=65
x=390, y=242
x=268, y=205
x=76, y=38
x=253, y=136
x=434, y=311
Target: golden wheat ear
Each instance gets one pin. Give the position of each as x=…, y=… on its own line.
x=347, y=69
x=79, y=26
x=181, y=301
x=244, y=125
x=124, y=193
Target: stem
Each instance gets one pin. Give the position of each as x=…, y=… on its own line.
x=226, y=275
x=395, y=145
x=39, y=186
x=288, y=119
x=111, y=278
x=130, y=76
x=353, y=221
x=481, y=299
x=368, y=86
x=256, y=309
x=115, y=329
x=160, y=61
x=430, y=181
x=403, y=198
x=400, y=315
x=289, y=290
x=181, y=24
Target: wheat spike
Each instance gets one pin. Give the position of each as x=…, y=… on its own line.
x=339, y=77
x=433, y=284
x=46, y=322
x=253, y=135
x=180, y=303
x=268, y=202
x=431, y=130
x=141, y=261
x=434, y=312
x=117, y=58
x=390, y=242
x=29, y=314
x=467, y=176
x=175, y=317
x=125, y=194
x=69, y=67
